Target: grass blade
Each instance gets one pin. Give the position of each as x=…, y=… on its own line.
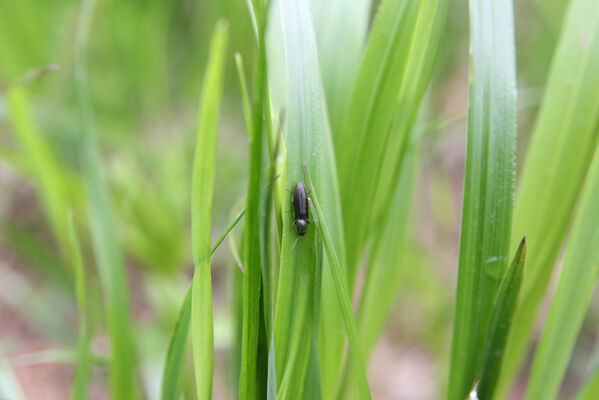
x=342, y=293
x=251, y=385
x=340, y=33
x=571, y=300
x=389, y=87
x=42, y=162
x=104, y=238
x=308, y=139
x=557, y=161
x=503, y=310
x=383, y=274
x=591, y=387
x=175, y=357
x=83, y=367
x=488, y=188
x=201, y=208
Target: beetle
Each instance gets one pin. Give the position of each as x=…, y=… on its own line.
x=300, y=208
x=301, y=203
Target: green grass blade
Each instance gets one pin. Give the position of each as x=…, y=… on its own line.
x=340, y=33
x=389, y=87
x=177, y=350
x=104, y=238
x=488, y=188
x=175, y=357
x=201, y=207
x=342, y=293
x=557, y=161
x=83, y=367
x=503, y=310
x=247, y=108
x=383, y=275
x=591, y=387
x=251, y=385
x=41, y=161
x=571, y=300
x=308, y=139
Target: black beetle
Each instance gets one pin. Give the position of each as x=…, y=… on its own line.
x=300, y=205
x=301, y=202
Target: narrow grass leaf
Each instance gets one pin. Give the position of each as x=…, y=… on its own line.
x=83, y=366
x=590, y=388
x=503, y=310
x=201, y=207
x=342, y=292
x=557, y=161
x=250, y=384
x=576, y=283
x=110, y=264
x=177, y=350
x=42, y=162
x=488, y=188
x=245, y=97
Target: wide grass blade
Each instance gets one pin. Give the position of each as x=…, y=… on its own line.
x=577, y=281
x=393, y=75
x=342, y=292
x=104, y=236
x=201, y=207
x=503, y=310
x=294, y=318
x=83, y=367
x=488, y=188
x=556, y=164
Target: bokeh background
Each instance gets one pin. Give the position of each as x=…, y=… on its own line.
x=145, y=63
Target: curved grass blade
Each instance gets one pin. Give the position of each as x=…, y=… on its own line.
x=393, y=75
x=104, y=238
x=341, y=291
x=488, y=188
x=568, y=308
x=557, y=162
x=201, y=208
x=83, y=367
x=503, y=310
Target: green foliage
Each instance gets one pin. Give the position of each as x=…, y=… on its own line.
x=556, y=164
x=571, y=300
x=488, y=188
x=344, y=93
x=201, y=209
x=106, y=247
x=500, y=322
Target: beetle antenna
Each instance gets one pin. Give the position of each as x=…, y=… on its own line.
x=294, y=243
x=309, y=245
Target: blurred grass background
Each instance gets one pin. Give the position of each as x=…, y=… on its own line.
x=145, y=62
